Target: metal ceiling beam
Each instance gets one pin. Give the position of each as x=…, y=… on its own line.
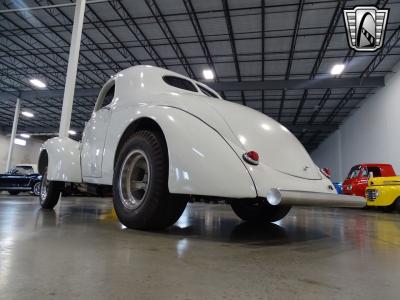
x=383, y=52
x=321, y=104
x=199, y=32
x=86, y=60
x=321, y=54
x=230, y=86
x=201, y=38
x=281, y=104
x=375, y=62
x=165, y=28
x=137, y=32
x=298, y=84
x=340, y=105
x=350, y=55
x=292, y=50
x=231, y=35
x=294, y=38
x=61, y=17
x=46, y=7
x=262, y=52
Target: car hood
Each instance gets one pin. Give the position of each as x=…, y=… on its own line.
x=251, y=130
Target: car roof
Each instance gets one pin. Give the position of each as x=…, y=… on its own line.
x=373, y=165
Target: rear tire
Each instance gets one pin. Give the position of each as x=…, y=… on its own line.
x=50, y=192
x=258, y=210
x=140, y=184
x=13, y=193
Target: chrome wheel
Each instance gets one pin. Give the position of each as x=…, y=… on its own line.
x=36, y=188
x=134, y=179
x=44, y=186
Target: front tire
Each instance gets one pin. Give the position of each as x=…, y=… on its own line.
x=50, y=192
x=258, y=210
x=140, y=184
x=36, y=188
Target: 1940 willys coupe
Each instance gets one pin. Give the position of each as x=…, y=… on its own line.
x=158, y=137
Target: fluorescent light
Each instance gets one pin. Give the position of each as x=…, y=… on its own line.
x=72, y=132
x=208, y=74
x=38, y=83
x=20, y=142
x=337, y=69
x=28, y=114
x=25, y=135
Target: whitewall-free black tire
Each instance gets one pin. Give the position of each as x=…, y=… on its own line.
x=140, y=184
x=50, y=192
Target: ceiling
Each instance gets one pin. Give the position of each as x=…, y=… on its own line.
x=252, y=40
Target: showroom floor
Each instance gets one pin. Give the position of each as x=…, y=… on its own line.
x=80, y=250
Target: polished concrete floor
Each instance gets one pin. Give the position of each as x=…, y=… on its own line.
x=80, y=251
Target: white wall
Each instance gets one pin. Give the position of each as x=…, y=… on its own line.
x=370, y=135
x=22, y=154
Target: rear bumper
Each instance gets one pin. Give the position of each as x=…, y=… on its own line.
x=290, y=197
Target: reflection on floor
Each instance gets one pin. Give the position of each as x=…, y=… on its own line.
x=80, y=250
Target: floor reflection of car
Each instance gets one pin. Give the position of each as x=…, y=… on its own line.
x=22, y=178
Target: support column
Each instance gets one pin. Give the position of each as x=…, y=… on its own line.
x=72, y=68
x=13, y=133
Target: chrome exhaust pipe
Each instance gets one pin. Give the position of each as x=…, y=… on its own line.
x=286, y=197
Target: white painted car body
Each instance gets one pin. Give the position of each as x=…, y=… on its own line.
x=206, y=138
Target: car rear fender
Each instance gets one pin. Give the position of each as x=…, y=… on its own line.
x=201, y=161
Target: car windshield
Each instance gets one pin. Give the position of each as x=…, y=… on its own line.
x=24, y=170
x=354, y=172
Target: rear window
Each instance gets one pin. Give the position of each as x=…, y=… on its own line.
x=207, y=91
x=180, y=83
x=354, y=172
x=376, y=171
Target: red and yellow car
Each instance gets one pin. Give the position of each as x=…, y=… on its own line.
x=357, y=180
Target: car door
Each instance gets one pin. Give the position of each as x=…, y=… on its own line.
x=95, y=132
x=362, y=182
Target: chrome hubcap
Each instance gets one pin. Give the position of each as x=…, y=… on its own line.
x=134, y=179
x=44, y=186
x=36, y=188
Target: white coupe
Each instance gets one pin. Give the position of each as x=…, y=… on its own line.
x=158, y=138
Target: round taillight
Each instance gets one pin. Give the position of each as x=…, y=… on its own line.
x=326, y=172
x=251, y=157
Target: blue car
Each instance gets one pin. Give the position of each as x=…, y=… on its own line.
x=22, y=178
x=338, y=187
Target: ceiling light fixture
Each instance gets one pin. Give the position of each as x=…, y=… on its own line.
x=72, y=132
x=20, y=142
x=337, y=69
x=25, y=135
x=38, y=83
x=208, y=74
x=28, y=114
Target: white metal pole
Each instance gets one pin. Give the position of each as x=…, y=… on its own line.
x=13, y=133
x=72, y=68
